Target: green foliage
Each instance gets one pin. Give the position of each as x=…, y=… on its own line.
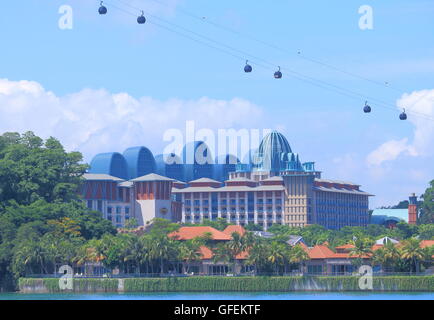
x=427, y=210
x=276, y=284
x=426, y=231
x=31, y=169
x=42, y=219
x=253, y=227
x=219, y=224
x=79, y=285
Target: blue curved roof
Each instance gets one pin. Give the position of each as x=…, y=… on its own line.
x=389, y=214
x=140, y=161
x=273, y=153
x=224, y=165
x=383, y=219
x=112, y=163
x=227, y=159
x=171, y=166
x=189, y=151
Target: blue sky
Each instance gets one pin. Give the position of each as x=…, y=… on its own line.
x=109, y=83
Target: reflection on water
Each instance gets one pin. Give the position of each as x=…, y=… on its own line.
x=227, y=296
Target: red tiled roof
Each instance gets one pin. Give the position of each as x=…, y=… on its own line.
x=206, y=253
x=320, y=252
x=375, y=247
x=233, y=228
x=243, y=255
x=426, y=243
x=188, y=233
x=346, y=246
x=324, y=252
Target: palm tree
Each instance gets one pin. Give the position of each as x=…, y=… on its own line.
x=163, y=249
x=412, y=252
x=298, y=255
x=235, y=246
x=379, y=258
x=276, y=255
x=221, y=254
x=257, y=256
x=189, y=252
x=362, y=249
x=391, y=253
x=134, y=251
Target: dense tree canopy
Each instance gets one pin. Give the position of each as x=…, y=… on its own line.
x=427, y=214
x=42, y=219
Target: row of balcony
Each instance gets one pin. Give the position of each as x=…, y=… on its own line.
x=233, y=217
x=232, y=210
x=233, y=202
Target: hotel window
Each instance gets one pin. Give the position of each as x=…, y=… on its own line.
x=99, y=205
x=196, y=202
x=118, y=210
x=89, y=204
x=188, y=202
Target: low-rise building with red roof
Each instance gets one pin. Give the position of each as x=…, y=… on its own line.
x=207, y=265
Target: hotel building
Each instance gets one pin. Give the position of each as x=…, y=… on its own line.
x=274, y=187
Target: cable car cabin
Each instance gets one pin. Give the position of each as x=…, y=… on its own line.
x=403, y=116
x=278, y=74
x=248, y=68
x=141, y=19
x=367, y=108
x=102, y=9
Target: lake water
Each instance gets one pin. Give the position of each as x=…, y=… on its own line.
x=227, y=296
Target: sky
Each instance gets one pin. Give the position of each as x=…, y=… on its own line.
x=108, y=83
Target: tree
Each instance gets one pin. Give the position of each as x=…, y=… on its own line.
x=361, y=249
x=277, y=254
x=298, y=255
x=163, y=250
x=131, y=223
x=253, y=227
x=427, y=210
x=31, y=169
x=387, y=256
x=426, y=231
x=412, y=252
x=257, y=256
x=219, y=224
x=190, y=252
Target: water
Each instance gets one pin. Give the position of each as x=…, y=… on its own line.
x=226, y=296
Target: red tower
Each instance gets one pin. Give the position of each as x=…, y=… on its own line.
x=412, y=209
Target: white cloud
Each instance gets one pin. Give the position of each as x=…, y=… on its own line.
x=420, y=108
x=94, y=121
